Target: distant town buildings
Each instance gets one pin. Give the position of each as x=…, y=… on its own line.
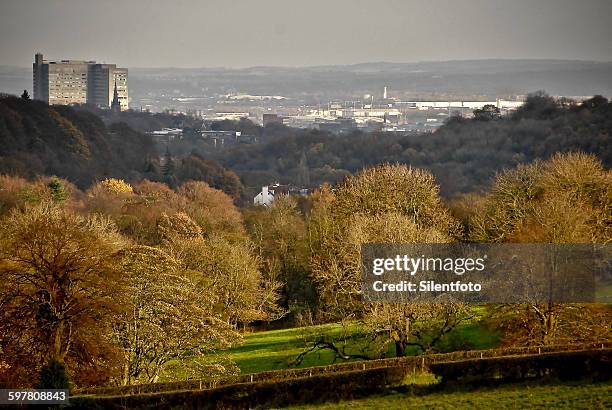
x=272, y=119
x=385, y=111
x=80, y=82
x=469, y=105
x=388, y=114
x=220, y=134
x=166, y=134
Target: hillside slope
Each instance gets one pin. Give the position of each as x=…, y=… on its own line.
x=38, y=139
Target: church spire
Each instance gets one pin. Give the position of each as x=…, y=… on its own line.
x=115, y=105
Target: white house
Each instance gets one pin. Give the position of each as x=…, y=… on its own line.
x=265, y=197
x=268, y=192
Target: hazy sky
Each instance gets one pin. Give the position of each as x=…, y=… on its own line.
x=240, y=33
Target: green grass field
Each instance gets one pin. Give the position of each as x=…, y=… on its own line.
x=277, y=349
x=564, y=396
x=274, y=350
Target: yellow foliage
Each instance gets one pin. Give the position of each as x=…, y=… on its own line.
x=116, y=186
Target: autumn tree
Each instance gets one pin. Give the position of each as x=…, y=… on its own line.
x=170, y=318
x=59, y=286
x=418, y=324
x=17, y=192
x=135, y=209
x=227, y=270
x=421, y=326
x=212, y=209
x=567, y=199
x=110, y=197
x=464, y=208
x=280, y=237
x=563, y=200
x=389, y=203
x=229, y=273
x=196, y=168
x=395, y=188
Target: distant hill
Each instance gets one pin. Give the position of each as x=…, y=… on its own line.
x=469, y=79
x=445, y=79
x=37, y=139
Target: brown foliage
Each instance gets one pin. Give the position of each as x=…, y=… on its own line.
x=389, y=203
x=169, y=314
x=212, y=209
x=567, y=199
x=58, y=284
x=17, y=192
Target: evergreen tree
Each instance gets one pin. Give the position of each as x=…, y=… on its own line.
x=58, y=193
x=53, y=376
x=169, y=169
x=303, y=173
